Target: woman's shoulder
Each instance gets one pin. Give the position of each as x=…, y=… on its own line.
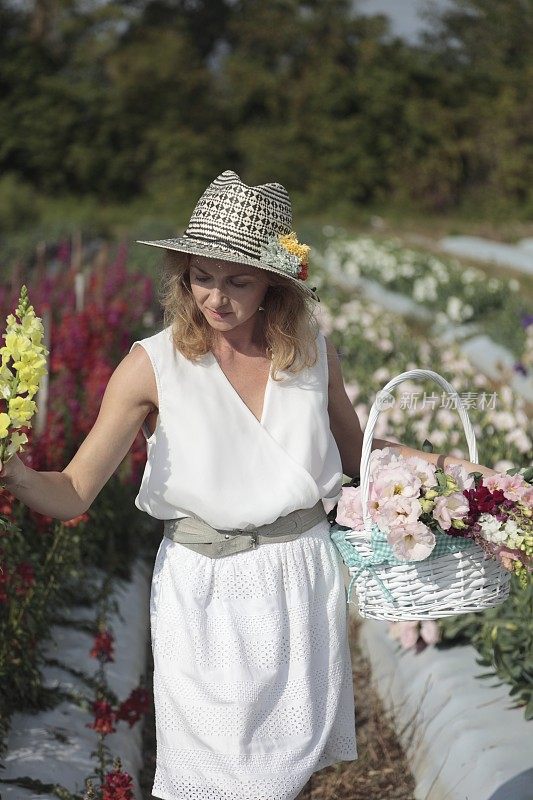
x=160, y=334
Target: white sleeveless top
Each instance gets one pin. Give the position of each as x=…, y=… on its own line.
x=210, y=457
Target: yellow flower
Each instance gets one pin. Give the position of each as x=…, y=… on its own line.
x=22, y=366
x=5, y=422
x=451, y=484
x=21, y=409
x=15, y=444
x=292, y=245
x=16, y=345
x=17, y=439
x=28, y=382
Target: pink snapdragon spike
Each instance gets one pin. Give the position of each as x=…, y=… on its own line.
x=414, y=634
x=429, y=631
x=405, y=631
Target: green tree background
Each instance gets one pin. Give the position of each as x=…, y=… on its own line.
x=145, y=102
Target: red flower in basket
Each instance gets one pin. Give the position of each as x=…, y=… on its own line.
x=500, y=520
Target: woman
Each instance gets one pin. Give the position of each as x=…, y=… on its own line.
x=249, y=431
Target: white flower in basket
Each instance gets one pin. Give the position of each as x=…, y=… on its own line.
x=408, y=567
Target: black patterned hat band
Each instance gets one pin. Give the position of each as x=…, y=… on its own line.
x=247, y=225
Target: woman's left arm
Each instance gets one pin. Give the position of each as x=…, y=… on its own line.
x=347, y=432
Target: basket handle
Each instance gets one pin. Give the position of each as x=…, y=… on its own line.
x=371, y=424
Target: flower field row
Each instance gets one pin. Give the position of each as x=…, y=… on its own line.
x=47, y=565
x=456, y=293
x=374, y=345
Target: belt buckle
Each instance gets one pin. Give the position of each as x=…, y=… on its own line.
x=251, y=531
x=252, y=534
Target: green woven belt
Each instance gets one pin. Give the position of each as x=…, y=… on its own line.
x=197, y=535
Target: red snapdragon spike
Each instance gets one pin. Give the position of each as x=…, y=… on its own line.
x=103, y=646
x=75, y=521
x=104, y=717
x=118, y=785
x=4, y=581
x=42, y=522
x=6, y=507
x=137, y=704
x=24, y=575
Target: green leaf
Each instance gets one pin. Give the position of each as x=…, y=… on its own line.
x=528, y=474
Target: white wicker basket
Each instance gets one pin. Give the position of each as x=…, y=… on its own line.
x=457, y=578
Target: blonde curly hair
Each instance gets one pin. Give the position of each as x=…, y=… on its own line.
x=290, y=326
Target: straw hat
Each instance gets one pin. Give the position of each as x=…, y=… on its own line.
x=247, y=225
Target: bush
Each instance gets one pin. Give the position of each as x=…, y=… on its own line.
x=18, y=203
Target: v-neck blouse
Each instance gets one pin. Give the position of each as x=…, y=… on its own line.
x=210, y=457
x=225, y=377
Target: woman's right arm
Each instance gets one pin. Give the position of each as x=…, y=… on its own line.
x=64, y=495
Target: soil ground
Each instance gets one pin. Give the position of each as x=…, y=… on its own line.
x=381, y=771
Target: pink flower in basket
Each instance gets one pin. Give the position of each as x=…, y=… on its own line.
x=394, y=480
x=462, y=478
x=513, y=486
x=411, y=501
x=447, y=508
x=412, y=541
x=424, y=471
x=398, y=510
x=350, y=509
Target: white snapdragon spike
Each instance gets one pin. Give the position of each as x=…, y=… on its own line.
x=491, y=529
x=520, y=439
x=510, y=527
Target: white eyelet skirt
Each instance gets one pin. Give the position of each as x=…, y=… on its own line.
x=252, y=671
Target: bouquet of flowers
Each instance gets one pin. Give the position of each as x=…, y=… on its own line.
x=22, y=367
x=410, y=500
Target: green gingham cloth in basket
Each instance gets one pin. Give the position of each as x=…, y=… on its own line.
x=382, y=553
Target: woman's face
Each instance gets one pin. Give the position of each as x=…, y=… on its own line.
x=227, y=294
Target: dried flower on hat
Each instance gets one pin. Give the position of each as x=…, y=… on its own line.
x=284, y=253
